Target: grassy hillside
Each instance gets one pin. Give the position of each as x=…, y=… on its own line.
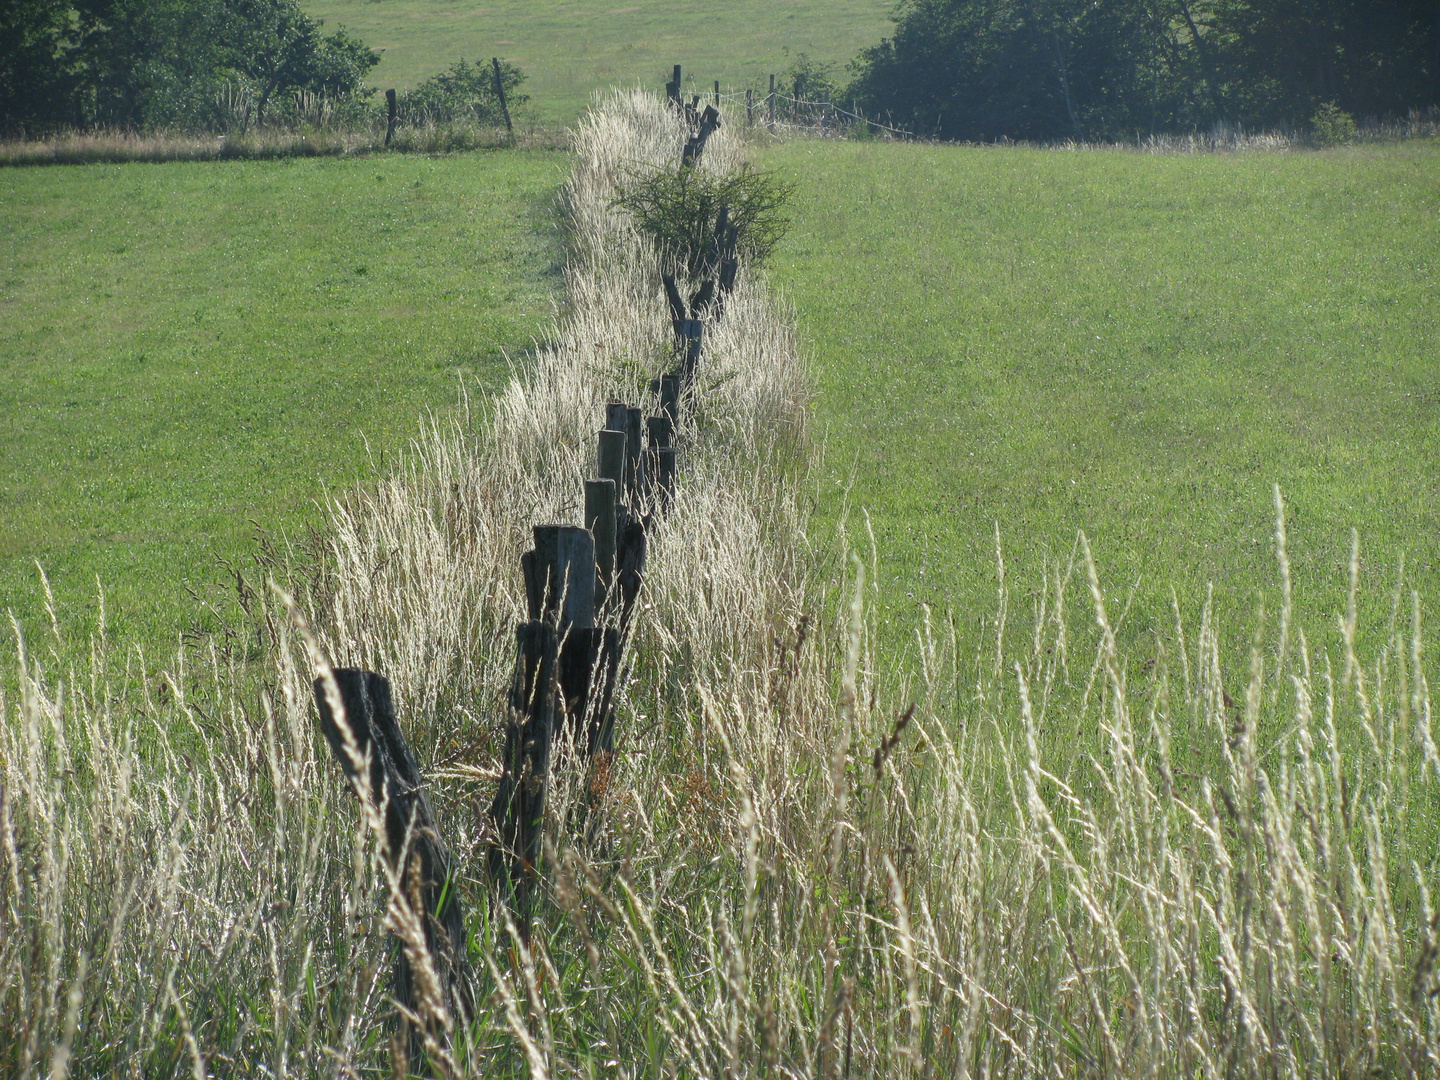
x=188, y=348
x=570, y=48
x=1135, y=346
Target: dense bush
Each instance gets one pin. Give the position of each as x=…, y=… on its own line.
x=196, y=64
x=679, y=208
x=1087, y=69
x=463, y=92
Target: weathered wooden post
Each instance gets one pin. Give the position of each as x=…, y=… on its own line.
x=500, y=93
x=565, y=571
x=610, y=463
x=600, y=506
x=695, y=146
x=366, y=739
x=772, y=101
x=518, y=811
x=665, y=468
x=390, y=112
x=670, y=397
x=749, y=106
x=628, y=419
x=556, y=653
x=672, y=88
x=661, y=449
x=717, y=93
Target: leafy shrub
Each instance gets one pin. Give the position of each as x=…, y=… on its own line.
x=196, y=65
x=679, y=209
x=1332, y=125
x=464, y=91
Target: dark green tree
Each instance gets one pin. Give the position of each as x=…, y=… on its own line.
x=1048, y=69
x=144, y=63
x=280, y=50
x=38, y=70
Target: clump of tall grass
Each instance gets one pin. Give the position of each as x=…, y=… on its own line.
x=1052, y=858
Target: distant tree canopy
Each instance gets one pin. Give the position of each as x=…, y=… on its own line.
x=1098, y=69
x=144, y=63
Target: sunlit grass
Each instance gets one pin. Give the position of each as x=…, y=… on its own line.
x=571, y=48
x=1135, y=345
x=188, y=350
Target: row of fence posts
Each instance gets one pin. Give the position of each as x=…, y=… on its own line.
x=827, y=111
x=581, y=587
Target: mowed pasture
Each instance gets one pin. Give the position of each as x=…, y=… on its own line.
x=1134, y=346
x=188, y=351
x=572, y=48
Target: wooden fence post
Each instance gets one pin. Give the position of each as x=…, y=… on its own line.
x=600, y=520
x=519, y=807
x=672, y=88
x=717, y=93
x=772, y=101
x=390, y=116
x=610, y=462
x=670, y=397
x=500, y=93
x=366, y=739
x=709, y=121
x=749, y=106
x=565, y=570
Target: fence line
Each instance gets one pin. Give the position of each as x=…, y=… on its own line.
x=749, y=100
x=581, y=588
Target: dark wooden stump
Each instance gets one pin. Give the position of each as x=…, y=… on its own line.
x=367, y=741
x=500, y=93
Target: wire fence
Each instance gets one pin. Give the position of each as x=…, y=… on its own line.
x=785, y=113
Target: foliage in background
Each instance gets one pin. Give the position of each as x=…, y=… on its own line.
x=678, y=207
x=1074, y=69
x=463, y=92
x=193, y=64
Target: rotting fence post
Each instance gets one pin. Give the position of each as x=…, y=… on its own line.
x=772, y=101
x=500, y=93
x=367, y=741
x=717, y=93
x=749, y=106
x=390, y=111
x=600, y=520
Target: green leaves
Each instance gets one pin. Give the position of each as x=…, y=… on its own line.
x=680, y=208
x=463, y=91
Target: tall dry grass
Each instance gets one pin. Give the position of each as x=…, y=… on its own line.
x=1047, y=859
x=119, y=146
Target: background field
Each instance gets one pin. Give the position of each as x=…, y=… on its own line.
x=1136, y=346
x=186, y=348
x=570, y=48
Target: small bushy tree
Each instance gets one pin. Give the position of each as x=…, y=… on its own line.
x=679, y=209
x=463, y=91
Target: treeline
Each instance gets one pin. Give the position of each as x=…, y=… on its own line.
x=1109, y=69
x=204, y=65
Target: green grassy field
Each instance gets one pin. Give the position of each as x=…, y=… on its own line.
x=188, y=348
x=1134, y=346
x=572, y=48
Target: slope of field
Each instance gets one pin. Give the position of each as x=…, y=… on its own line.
x=570, y=48
x=186, y=348
x=1134, y=346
